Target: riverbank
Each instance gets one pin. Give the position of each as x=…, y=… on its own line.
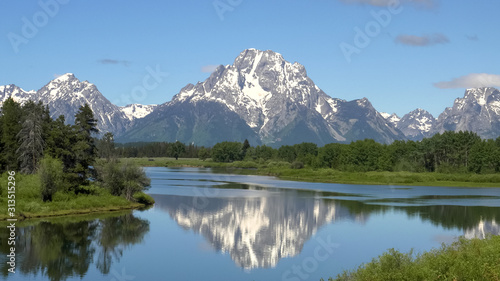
x=466, y=259
x=28, y=202
x=282, y=170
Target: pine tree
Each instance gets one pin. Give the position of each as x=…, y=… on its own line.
x=106, y=146
x=31, y=143
x=11, y=125
x=84, y=148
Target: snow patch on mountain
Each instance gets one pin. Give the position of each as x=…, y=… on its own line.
x=136, y=111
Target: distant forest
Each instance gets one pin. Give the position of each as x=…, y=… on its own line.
x=450, y=152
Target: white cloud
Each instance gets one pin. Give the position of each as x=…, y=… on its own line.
x=421, y=41
x=473, y=80
x=209, y=68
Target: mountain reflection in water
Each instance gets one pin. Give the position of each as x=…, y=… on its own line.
x=258, y=231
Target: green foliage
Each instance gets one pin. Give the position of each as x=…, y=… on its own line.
x=31, y=142
x=226, y=152
x=143, y=198
x=176, y=149
x=84, y=149
x=297, y=165
x=287, y=153
x=11, y=125
x=244, y=149
x=203, y=154
x=265, y=152
x=106, y=146
x=466, y=259
x=51, y=177
x=122, y=179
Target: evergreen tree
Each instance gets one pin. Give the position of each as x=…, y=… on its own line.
x=31, y=143
x=11, y=125
x=244, y=148
x=84, y=148
x=106, y=146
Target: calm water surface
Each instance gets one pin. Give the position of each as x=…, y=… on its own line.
x=212, y=226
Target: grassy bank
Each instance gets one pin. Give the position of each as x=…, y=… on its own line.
x=282, y=170
x=465, y=259
x=30, y=205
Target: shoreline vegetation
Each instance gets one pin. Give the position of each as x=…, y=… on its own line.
x=465, y=259
x=285, y=171
x=51, y=168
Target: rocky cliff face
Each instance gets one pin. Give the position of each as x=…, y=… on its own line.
x=477, y=111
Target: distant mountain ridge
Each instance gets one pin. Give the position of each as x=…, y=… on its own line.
x=265, y=99
x=65, y=94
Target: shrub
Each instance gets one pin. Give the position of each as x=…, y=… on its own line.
x=122, y=179
x=297, y=165
x=51, y=177
x=143, y=198
x=203, y=154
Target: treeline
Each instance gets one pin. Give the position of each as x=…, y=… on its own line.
x=448, y=152
x=157, y=149
x=65, y=157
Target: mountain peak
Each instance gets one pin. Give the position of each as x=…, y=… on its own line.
x=479, y=95
x=65, y=77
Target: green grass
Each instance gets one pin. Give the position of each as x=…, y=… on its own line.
x=465, y=259
x=282, y=170
x=30, y=205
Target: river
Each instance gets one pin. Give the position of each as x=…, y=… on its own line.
x=207, y=225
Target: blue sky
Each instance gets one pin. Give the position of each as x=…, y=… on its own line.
x=424, y=54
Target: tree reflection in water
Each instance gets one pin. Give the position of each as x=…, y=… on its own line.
x=62, y=250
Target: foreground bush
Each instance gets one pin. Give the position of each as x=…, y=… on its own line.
x=465, y=259
x=122, y=179
x=51, y=177
x=143, y=198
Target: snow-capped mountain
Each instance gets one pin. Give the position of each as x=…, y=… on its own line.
x=65, y=94
x=477, y=111
x=391, y=118
x=16, y=93
x=137, y=111
x=269, y=99
x=265, y=99
x=417, y=124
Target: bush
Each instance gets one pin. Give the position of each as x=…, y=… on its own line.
x=143, y=198
x=226, y=151
x=297, y=165
x=278, y=164
x=122, y=179
x=51, y=177
x=203, y=154
x=466, y=259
